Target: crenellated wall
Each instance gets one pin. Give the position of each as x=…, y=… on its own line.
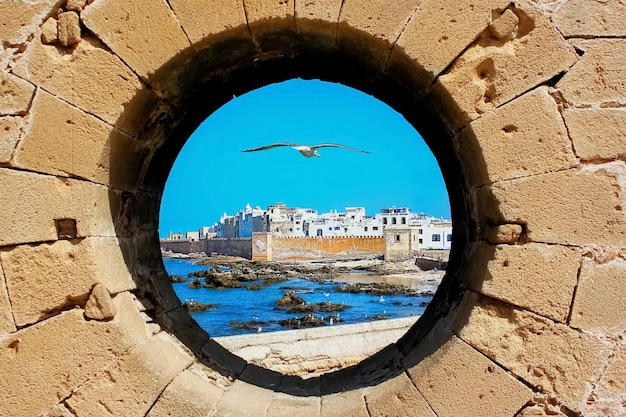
x=522, y=103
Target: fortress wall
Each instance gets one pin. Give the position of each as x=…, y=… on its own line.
x=184, y=246
x=330, y=244
x=522, y=103
x=241, y=247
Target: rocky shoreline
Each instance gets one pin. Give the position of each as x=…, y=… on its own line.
x=370, y=275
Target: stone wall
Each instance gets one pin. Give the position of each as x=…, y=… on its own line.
x=523, y=105
x=184, y=246
x=310, y=247
x=227, y=246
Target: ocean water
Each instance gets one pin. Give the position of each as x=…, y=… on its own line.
x=245, y=305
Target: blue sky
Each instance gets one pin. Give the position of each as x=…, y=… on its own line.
x=212, y=176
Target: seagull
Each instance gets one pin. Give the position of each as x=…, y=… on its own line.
x=305, y=150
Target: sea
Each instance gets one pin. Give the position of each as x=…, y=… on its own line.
x=244, y=305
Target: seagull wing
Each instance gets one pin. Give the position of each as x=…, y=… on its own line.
x=274, y=145
x=336, y=145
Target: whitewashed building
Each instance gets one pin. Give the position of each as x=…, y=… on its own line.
x=424, y=232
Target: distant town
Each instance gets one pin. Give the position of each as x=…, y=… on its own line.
x=280, y=220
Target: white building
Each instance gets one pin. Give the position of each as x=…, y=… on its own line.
x=425, y=232
x=432, y=233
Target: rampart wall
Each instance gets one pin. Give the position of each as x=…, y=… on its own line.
x=331, y=244
x=184, y=246
x=522, y=103
x=241, y=247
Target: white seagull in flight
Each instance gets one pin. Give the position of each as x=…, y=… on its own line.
x=305, y=150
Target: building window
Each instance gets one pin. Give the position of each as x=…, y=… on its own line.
x=337, y=227
x=436, y=238
x=319, y=232
x=420, y=241
x=404, y=220
x=393, y=220
x=449, y=238
x=420, y=231
x=397, y=238
x=384, y=220
x=366, y=228
x=374, y=227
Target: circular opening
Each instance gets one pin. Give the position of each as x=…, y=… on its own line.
x=363, y=236
x=203, y=89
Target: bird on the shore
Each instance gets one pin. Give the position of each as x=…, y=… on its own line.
x=306, y=150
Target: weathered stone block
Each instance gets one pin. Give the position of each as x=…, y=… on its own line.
x=480, y=386
x=62, y=140
x=599, y=78
x=436, y=34
x=584, y=18
x=49, y=32
x=75, y=5
x=191, y=394
x=378, y=18
x=599, y=303
x=348, y=403
x=505, y=25
x=7, y=325
x=538, y=277
x=284, y=405
x=201, y=19
x=15, y=94
x=609, y=395
x=100, y=305
x=396, y=397
x=43, y=279
x=556, y=359
x=524, y=137
x=272, y=23
x=146, y=34
x=89, y=72
x=597, y=134
x=130, y=386
x=492, y=71
x=68, y=28
x=37, y=200
x=504, y=233
x=231, y=405
x=10, y=130
x=20, y=19
x=316, y=23
x=360, y=19
x=41, y=364
x=569, y=207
